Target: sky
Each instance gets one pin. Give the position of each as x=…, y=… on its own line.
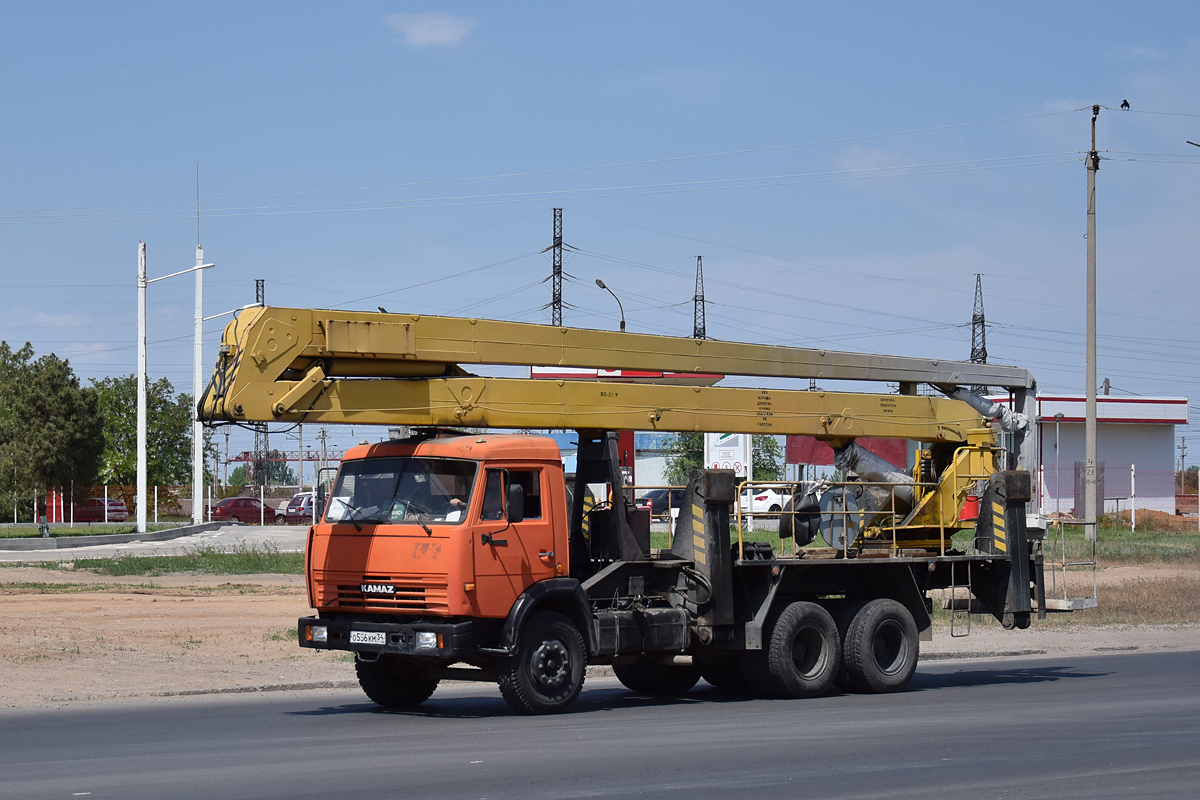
x=845, y=172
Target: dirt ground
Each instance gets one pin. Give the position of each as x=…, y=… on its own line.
x=76, y=637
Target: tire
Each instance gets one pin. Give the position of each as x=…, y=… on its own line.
x=804, y=653
x=881, y=648
x=723, y=673
x=651, y=677
x=236, y=519
x=774, y=509
x=756, y=678
x=546, y=673
x=392, y=683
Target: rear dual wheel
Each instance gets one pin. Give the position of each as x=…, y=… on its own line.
x=804, y=653
x=880, y=648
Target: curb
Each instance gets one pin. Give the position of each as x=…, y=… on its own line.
x=67, y=542
x=967, y=654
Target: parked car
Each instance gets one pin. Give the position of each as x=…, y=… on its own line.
x=763, y=499
x=92, y=510
x=245, y=509
x=658, y=499
x=299, y=509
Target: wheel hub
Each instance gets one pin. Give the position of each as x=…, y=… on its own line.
x=551, y=664
x=890, y=648
x=808, y=652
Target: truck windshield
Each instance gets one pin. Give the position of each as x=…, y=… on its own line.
x=430, y=491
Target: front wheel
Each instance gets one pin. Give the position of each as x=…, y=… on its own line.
x=546, y=673
x=804, y=655
x=392, y=683
x=881, y=647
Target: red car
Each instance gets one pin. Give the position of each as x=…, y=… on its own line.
x=244, y=509
x=92, y=510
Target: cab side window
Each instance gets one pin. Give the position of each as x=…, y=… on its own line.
x=531, y=482
x=493, y=496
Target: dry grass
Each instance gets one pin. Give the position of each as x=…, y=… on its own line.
x=1154, y=601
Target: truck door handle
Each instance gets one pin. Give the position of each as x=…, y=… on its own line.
x=545, y=554
x=489, y=538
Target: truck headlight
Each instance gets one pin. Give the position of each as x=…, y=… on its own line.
x=316, y=633
x=427, y=640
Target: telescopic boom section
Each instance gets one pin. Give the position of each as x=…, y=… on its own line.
x=313, y=365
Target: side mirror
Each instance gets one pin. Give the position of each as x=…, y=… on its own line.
x=516, y=502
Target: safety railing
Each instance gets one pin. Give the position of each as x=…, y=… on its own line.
x=840, y=521
x=1070, y=561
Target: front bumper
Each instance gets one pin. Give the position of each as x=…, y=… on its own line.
x=454, y=639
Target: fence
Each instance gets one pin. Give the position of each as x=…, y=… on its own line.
x=1125, y=487
x=117, y=504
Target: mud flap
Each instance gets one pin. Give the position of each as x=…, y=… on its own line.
x=1000, y=531
x=702, y=537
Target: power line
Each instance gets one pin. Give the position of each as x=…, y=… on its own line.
x=632, y=190
x=560, y=170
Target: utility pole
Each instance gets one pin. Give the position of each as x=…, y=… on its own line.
x=698, y=302
x=262, y=440
x=1089, y=477
x=556, y=277
x=1182, y=464
x=978, y=333
x=197, y=388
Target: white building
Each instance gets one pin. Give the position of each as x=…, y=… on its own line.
x=1135, y=445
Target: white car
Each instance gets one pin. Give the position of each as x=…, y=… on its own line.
x=764, y=499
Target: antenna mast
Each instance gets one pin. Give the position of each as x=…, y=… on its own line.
x=698, y=302
x=197, y=204
x=978, y=332
x=556, y=280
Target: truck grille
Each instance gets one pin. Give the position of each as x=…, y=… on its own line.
x=413, y=593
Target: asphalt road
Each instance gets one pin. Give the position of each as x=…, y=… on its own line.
x=1107, y=726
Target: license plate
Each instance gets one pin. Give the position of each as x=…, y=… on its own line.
x=368, y=637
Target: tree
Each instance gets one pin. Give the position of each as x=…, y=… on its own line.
x=238, y=476
x=168, y=432
x=51, y=429
x=767, y=458
x=279, y=472
x=687, y=454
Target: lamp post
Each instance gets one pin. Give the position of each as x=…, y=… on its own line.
x=600, y=283
x=1057, y=477
x=197, y=427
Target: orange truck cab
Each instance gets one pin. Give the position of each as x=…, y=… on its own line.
x=427, y=546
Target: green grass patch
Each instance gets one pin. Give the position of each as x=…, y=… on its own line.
x=26, y=531
x=1118, y=545
x=1122, y=546
x=241, y=559
x=43, y=587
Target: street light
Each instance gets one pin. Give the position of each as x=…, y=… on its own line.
x=197, y=426
x=1057, y=477
x=600, y=283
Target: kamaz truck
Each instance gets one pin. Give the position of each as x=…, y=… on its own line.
x=464, y=552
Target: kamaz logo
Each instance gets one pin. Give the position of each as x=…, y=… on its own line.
x=378, y=588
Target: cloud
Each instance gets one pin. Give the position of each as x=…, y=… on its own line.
x=430, y=28
x=43, y=320
x=1135, y=52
